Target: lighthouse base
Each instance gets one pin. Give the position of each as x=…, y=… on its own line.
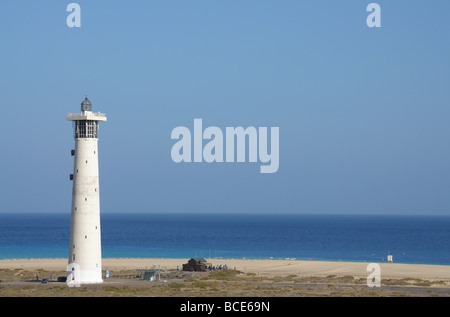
x=78, y=277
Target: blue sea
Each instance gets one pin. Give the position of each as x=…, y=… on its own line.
x=410, y=239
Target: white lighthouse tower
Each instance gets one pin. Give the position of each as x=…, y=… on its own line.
x=85, y=252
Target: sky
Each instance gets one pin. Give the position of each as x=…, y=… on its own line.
x=363, y=113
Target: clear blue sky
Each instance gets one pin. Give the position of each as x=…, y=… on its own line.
x=364, y=114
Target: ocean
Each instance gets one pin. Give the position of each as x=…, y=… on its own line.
x=409, y=239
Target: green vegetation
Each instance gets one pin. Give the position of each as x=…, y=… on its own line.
x=225, y=282
x=224, y=274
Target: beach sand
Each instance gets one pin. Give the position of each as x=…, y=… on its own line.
x=260, y=267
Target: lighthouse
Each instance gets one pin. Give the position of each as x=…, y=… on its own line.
x=85, y=251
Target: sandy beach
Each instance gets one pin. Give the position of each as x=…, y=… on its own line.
x=259, y=267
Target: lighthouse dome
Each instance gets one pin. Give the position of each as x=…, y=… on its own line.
x=86, y=105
